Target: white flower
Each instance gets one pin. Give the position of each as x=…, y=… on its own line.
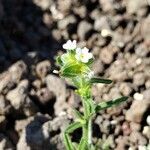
x=70, y=45
x=83, y=55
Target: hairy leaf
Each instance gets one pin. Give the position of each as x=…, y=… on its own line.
x=71, y=70
x=78, y=114
x=110, y=103
x=73, y=127
x=100, y=80
x=82, y=144
x=68, y=143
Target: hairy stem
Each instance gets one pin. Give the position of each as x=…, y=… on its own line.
x=87, y=127
x=90, y=131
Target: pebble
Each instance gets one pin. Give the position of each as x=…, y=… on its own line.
x=5, y=106
x=136, y=115
x=58, y=87
x=44, y=4
x=84, y=29
x=43, y=68
x=146, y=131
x=106, y=56
x=148, y=120
x=102, y=24
x=138, y=96
x=139, y=79
x=135, y=126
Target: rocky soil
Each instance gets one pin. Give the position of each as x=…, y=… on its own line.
x=35, y=104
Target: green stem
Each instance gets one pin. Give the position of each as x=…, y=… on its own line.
x=87, y=127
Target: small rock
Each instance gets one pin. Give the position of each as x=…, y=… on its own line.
x=126, y=128
x=135, y=6
x=47, y=19
x=146, y=131
x=18, y=95
x=98, y=66
x=58, y=87
x=101, y=23
x=44, y=4
x=137, y=138
x=121, y=141
x=84, y=29
x=125, y=88
x=138, y=96
x=37, y=83
x=107, y=6
x=81, y=11
x=4, y=106
x=136, y=115
x=135, y=126
x=106, y=56
x=44, y=95
x=62, y=24
x=21, y=124
x=105, y=127
x=19, y=99
x=146, y=94
x=13, y=75
x=43, y=68
x=64, y=6
x=144, y=29
x=148, y=120
x=139, y=79
x=117, y=130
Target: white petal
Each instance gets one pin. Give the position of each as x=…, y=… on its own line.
x=84, y=59
x=78, y=51
x=90, y=55
x=70, y=45
x=85, y=50
x=74, y=44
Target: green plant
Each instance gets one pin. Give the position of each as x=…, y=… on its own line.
x=75, y=64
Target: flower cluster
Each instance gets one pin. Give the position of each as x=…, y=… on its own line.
x=76, y=61
x=82, y=55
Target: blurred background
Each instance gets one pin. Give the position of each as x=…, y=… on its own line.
x=35, y=104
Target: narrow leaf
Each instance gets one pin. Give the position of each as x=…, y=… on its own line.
x=78, y=114
x=110, y=103
x=68, y=143
x=59, y=61
x=100, y=80
x=71, y=70
x=82, y=144
x=73, y=127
